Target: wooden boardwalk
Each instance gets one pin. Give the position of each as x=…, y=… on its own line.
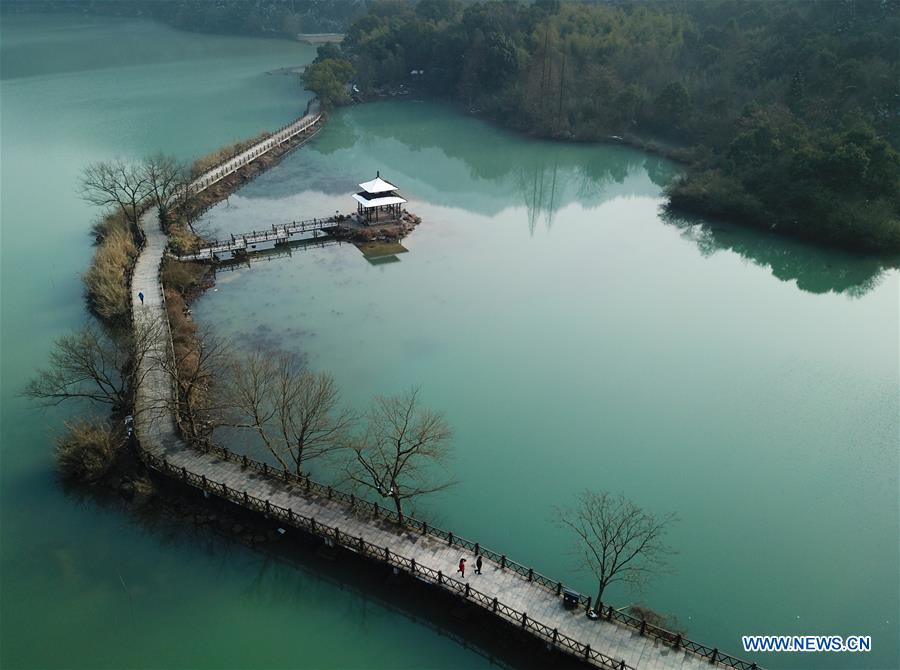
x=279, y=137
x=511, y=594
x=258, y=241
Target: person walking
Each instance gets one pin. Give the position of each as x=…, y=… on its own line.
x=478, y=563
x=462, y=567
x=141, y=296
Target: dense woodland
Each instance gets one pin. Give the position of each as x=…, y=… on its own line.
x=786, y=113
x=272, y=18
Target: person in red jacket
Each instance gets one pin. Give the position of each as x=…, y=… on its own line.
x=462, y=567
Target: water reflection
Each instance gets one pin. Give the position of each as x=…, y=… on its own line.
x=294, y=569
x=437, y=155
x=540, y=203
x=448, y=159
x=814, y=269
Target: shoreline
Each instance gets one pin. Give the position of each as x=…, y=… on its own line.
x=169, y=450
x=677, y=155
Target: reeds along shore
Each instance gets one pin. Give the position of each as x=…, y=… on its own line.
x=91, y=450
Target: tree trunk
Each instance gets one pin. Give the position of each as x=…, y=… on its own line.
x=299, y=460
x=399, y=510
x=599, y=600
x=191, y=419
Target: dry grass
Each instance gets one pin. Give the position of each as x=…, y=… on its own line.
x=209, y=161
x=184, y=330
x=181, y=239
x=105, y=280
x=88, y=449
x=179, y=320
x=188, y=279
x=107, y=224
x=193, y=377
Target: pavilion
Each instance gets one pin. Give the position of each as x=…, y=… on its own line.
x=378, y=201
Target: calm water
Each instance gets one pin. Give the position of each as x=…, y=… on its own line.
x=87, y=586
x=573, y=337
x=576, y=338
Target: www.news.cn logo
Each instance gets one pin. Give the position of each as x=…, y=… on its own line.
x=813, y=643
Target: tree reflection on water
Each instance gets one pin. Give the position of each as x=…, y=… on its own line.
x=814, y=269
x=438, y=155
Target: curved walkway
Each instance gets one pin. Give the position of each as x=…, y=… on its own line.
x=280, y=136
x=154, y=397
x=157, y=433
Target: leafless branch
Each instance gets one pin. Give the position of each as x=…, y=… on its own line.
x=165, y=177
x=399, y=453
x=618, y=541
x=295, y=412
x=117, y=184
x=95, y=365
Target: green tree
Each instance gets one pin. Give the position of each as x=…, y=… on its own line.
x=329, y=79
x=327, y=51
x=673, y=107
x=820, y=135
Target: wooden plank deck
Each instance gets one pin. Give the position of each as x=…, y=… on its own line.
x=158, y=437
x=277, y=138
x=296, y=231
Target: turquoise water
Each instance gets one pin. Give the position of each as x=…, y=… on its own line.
x=83, y=585
x=576, y=337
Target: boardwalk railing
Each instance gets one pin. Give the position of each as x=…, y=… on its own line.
x=359, y=545
x=277, y=233
x=674, y=640
x=361, y=505
x=285, y=251
x=241, y=158
x=385, y=555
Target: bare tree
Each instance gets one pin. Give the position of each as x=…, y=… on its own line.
x=200, y=362
x=90, y=364
x=398, y=454
x=187, y=203
x=618, y=541
x=295, y=412
x=165, y=177
x=117, y=184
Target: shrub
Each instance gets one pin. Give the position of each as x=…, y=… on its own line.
x=712, y=194
x=109, y=223
x=88, y=449
x=181, y=239
x=183, y=278
x=105, y=280
x=209, y=161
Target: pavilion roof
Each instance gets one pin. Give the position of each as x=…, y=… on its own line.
x=377, y=185
x=365, y=201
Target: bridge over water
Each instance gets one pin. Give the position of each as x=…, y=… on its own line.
x=262, y=240
x=510, y=591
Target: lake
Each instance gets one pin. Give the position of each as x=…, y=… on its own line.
x=86, y=585
x=578, y=338
x=574, y=336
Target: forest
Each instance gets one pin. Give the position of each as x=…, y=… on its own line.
x=268, y=18
x=784, y=113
